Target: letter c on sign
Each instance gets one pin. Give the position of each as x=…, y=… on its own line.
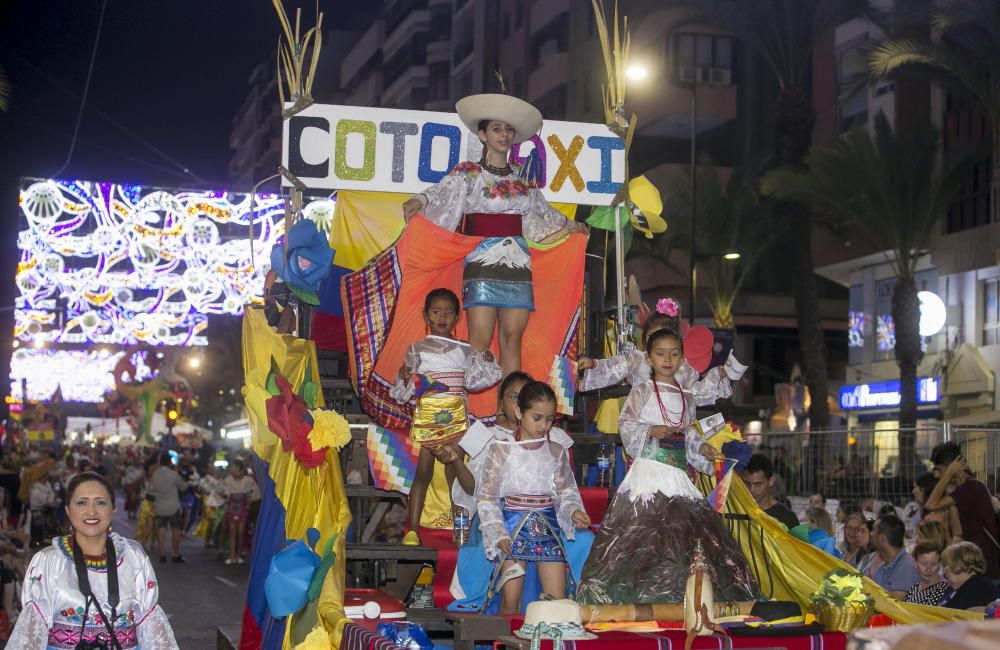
x=296, y=163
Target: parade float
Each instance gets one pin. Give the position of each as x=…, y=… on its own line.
x=351, y=261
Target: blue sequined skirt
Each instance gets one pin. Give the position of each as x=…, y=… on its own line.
x=534, y=531
x=497, y=273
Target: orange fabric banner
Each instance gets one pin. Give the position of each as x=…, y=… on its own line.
x=431, y=257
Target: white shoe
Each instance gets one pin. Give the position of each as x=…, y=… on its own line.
x=241, y=561
x=230, y=560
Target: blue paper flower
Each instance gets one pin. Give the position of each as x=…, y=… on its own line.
x=309, y=258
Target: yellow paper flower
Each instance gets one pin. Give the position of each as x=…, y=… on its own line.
x=330, y=429
x=318, y=639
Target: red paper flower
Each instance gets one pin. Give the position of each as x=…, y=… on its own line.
x=288, y=418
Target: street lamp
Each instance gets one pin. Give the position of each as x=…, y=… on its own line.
x=732, y=256
x=637, y=72
x=194, y=362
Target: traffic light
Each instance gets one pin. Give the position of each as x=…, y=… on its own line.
x=171, y=415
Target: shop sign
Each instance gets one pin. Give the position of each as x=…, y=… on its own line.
x=886, y=394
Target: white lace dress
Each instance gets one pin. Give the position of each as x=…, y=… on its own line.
x=538, y=469
x=53, y=606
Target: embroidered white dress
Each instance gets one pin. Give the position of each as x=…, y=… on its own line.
x=53, y=606
x=529, y=468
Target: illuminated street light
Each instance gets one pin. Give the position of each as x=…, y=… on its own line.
x=637, y=72
x=194, y=362
x=38, y=344
x=731, y=256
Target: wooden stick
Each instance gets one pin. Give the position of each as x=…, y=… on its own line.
x=635, y=613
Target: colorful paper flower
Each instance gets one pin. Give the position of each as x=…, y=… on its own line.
x=286, y=412
x=330, y=429
x=668, y=306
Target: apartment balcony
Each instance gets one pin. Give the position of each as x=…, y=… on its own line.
x=552, y=72
x=366, y=92
x=414, y=23
x=411, y=77
x=439, y=51
x=368, y=46
x=542, y=13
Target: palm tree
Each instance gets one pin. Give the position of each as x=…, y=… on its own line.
x=732, y=218
x=968, y=53
x=888, y=185
x=783, y=33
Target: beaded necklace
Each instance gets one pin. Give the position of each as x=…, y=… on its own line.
x=94, y=562
x=496, y=171
x=663, y=408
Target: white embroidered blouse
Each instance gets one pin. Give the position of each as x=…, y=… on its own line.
x=468, y=188
x=453, y=363
x=54, y=607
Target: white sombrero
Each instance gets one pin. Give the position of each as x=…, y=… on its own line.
x=525, y=118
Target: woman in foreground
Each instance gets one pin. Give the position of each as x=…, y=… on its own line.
x=91, y=586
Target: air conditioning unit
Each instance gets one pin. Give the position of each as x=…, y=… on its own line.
x=692, y=75
x=720, y=76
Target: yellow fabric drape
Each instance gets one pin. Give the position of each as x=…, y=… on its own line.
x=312, y=498
x=798, y=567
x=364, y=225
x=437, y=504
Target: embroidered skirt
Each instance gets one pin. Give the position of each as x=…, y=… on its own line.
x=497, y=273
x=439, y=418
x=533, y=527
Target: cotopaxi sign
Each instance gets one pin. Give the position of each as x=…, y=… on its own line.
x=390, y=150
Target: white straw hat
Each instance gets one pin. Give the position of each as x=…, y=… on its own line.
x=525, y=118
x=549, y=619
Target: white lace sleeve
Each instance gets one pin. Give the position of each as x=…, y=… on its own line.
x=567, y=495
x=444, y=203
x=155, y=633
x=630, y=426
x=30, y=632
x=488, y=496
x=692, y=448
x=402, y=391
x=541, y=220
x=606, y=372
x=480, y=374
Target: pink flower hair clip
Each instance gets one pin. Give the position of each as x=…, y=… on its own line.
x=668, y=306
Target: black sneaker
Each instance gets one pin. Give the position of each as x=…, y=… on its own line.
x=178, y=559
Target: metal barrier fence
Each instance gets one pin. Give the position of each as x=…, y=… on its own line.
x=859, y=464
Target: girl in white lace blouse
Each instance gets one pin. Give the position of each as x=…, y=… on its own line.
x=527, y=497
x=440, y=414
x=120, y=605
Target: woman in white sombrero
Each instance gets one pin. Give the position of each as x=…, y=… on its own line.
x=495, y=199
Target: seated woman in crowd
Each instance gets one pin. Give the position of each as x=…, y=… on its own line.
x=821, y=531
x=857, y=539
x=964, y=568
x=932, y=588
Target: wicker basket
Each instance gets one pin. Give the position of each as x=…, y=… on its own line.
x=843, y=618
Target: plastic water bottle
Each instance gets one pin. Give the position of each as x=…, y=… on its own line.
x=460, y=525
x=604, y=465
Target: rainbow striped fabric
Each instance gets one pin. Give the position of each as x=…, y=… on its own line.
x=723, y=479
x=562, y=379
x=392, y=458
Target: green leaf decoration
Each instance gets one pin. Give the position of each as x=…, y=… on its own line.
x=306, y=296
x=270, y=384
x=327, y=559
x=309, y=391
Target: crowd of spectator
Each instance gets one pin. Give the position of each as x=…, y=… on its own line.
x=186, y=492
x=941, y=548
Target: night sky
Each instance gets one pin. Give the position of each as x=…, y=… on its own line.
x=168, y=80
